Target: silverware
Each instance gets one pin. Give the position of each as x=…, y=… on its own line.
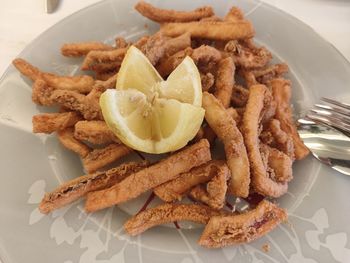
x=51, y=5
x=325, y=130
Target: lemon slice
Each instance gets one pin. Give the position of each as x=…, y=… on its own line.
x=149, y=114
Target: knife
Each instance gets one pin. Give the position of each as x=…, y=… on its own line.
x=51, y=5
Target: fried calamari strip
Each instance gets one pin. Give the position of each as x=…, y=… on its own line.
x=282, y=140
x=224, y=81
x=247, y=55
x=225, y=128
x=149, y=178
x=281, y=90
x=177, y=188
x=167, y=213
x=266, y=74
x=234, y=114
x=99, y=158
x=223, y=231
x=176, y=44
x=211, y=29
x=214, y=194
x=95, y=132
x=234, y=15
x=41, y=93
x=51, y=122
x=81, y=84
x=248, y=77
x=101, y=86
x=261, y=181
x=99, y=56
x=77, y=102
x=82, y=48
x=239, y=96
x=167, y=15
x=79, y=187
x=66, y=137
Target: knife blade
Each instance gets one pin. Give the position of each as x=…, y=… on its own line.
x=51, y=5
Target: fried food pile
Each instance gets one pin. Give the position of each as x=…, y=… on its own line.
x=247, y=108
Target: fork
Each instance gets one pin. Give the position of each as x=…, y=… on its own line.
x=325, y=130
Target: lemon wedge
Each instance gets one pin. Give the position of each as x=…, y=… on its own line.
x=149, y=114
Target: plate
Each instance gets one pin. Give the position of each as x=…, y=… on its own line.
x=317, y=200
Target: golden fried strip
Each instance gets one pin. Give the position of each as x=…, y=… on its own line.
x=176, y=44
x=167, y=213
x=66, y=137
x=239, y=96
x=282, y=141
x=248, y=77
x=261, y=181
x=166, y=15
x=225, y=128
x=146, y=179
x=281, y=90
x=264, y=75
x=215, y=193
x=104, y=75
x=81, y=84
x=234, y=114
x=79, y=187
x=177, y=188
x=41, y=93
x=51, y=122
x=211, y=29
x=234, y=15
x=100, y=56
x=99, y=158
x=82, y=48
x=77, y=102
x=95, y=132
x=224, y=81
x=223, y=231
x=102, y=86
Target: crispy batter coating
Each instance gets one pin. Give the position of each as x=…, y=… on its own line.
x=95, y=132
x=225, y=128
x=99, y=158
x=77, y=102
x=261, y=181
x=211, y=29
x=66, y=137
x=235, y=115
x=281, y=140
x=176, y=44
x=82, y=48
x=234, y=15
x=228, y=230
x=177, y=188
x=103, y=56
x=79, y=187
x=265, y=74
x=149, y=178
x=81, y=84
x=41, y=93
x=239, y=96
x=224, y=81
x=281, y=90
x=167, y=213
x=214, y=195
x=167, y=15
x=51, y=122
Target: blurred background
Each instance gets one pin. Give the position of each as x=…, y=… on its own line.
x=23, y=20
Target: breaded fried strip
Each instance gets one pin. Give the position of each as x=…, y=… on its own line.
x=281, y=90
x=282, y=140
x=99, y=158
x=166, y=15
x=225, y=128
x=211, y=29
x=223, y=231
x=79, y=187
x=82, y=48
x=95, y=132
x=261, y=181
x=77, y=102
x=102, y=86
x=224, y=81
x=176, y=44
x=51, y=122
x=100, y=56
x=234, y=114
x=239, y=96
x=66, y=137
x=264, y=75
x=81, y=84
x=215, y=193
x=167, y=213
x=146, y=179
x=177, y=188
x=41, y=93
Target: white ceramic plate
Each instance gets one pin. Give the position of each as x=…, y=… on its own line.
x=317, y=201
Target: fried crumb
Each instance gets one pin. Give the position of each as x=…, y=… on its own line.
x=266, y=247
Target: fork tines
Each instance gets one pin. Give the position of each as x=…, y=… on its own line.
x=335, y=114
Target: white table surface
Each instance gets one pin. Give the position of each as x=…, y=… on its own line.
x=23, y=20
